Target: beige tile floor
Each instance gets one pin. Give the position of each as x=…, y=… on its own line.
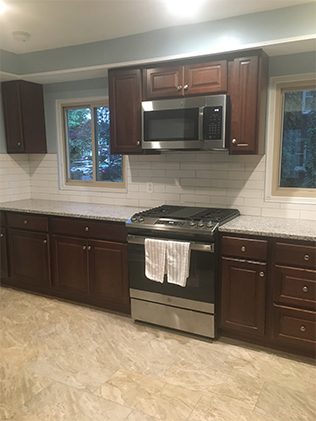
x=63, y=362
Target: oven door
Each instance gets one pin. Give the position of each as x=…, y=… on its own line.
x=200, y=284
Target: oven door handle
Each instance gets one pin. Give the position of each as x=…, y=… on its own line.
x=137, y=239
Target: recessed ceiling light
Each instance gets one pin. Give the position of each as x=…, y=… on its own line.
x=186, y=8
x=3, y=7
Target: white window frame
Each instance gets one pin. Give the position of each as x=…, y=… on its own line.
x=273, y=192
x=82, y=186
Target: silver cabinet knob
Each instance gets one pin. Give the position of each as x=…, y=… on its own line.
x=89, y=247
x=302, y=328
x=243, y=248
x=45, y=242
x=306, y=257
x=305, y=288
x=1, y=235
x=179, y=88
x=19, y=143
x=86, y=229
x=25, y=222
x=234, y=142
x=261, y=274
x=186, y=87
x=84, y=247
x=138, y=143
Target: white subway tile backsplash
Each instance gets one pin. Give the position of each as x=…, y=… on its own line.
x=189, y=178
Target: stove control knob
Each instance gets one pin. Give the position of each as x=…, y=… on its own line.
x=200, y=224
x=140, y=219
x=134, y=218
x=209, y=224
x=191, y=223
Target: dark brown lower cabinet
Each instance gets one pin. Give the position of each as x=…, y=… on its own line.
x=108, y=271
x=29, y=257
x=70, y=264
x=243, y=304
x=3, y=253
x=95, y=268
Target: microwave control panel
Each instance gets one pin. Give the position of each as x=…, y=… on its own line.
x=212, y=123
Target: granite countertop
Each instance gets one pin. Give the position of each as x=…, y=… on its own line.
x=76, y=210
x=294, y=229
x=248, y=225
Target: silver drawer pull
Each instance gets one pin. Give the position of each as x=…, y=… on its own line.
x=84, y=247
x=306, y=257
x=25, y=222
x=261, y=274
x=305, y=288
x=243, y=248
x=302, y=328
x=86, y=229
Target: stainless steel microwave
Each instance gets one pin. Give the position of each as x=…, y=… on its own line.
x=197, y=123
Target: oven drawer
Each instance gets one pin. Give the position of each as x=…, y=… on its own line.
x=173, y=317
x=245, y=248
x=295, y=255
x=295, y=287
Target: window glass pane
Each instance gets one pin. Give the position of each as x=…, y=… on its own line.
x=298, y=154
x=79, y=144
x=109, y=167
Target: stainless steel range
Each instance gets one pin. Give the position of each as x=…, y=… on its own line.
x=185, y=240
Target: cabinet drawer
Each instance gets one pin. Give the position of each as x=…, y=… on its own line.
x=295, y=255
x=245, y=247
x=295, y=326
x=295, y=287
x=86, y=228
x=27, y=221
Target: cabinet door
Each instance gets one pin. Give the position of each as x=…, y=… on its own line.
x=205, y=78
x=13, y=117
x=244, y=73
x=163, y=82
x=29, y=257
x=125, y=109
x=243, y=300
x=108, y=273
x=3, y=254
x=23, y=105
x=70, y=264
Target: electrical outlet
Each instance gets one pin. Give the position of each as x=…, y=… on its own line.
x=150, y=187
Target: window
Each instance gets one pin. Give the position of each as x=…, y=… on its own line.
x=87, y=160
x=291, y=152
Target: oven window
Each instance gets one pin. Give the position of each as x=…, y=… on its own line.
x=200, y=284
x=171, y=125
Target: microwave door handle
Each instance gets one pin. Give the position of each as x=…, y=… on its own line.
x=201, y=134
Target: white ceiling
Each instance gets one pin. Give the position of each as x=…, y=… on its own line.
x=59, y=23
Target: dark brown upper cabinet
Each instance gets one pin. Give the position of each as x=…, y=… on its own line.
x=125, y=107
x=248, y=78
x=23, y=107
x=191, y=79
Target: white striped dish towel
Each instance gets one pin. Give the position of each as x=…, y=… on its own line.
x=178, y=262
x=155, y=259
